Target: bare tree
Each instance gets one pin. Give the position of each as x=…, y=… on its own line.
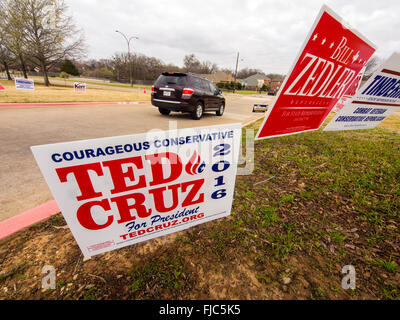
x=4, y=58
x=191, y=63
x=207, y=67
x=246, y=72
x=14, y=34
x=226, y=70
x=4, y=52
x=50, y=33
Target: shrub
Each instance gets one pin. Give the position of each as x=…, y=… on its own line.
x=68, y=67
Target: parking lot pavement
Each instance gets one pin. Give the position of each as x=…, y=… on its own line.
x=23, y=186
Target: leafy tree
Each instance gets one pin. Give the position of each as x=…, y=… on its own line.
x=221, y=85
x=265, y=88
x=103, y=72
x=68, y=67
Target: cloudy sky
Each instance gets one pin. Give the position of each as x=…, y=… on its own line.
x=267, y=33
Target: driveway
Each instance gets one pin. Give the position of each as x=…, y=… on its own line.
x=23, y=186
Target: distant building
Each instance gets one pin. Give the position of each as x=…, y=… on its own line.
x=276, y=83
x=218, y=77
x=255, y=81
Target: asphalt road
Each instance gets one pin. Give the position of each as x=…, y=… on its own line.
x=23, y=186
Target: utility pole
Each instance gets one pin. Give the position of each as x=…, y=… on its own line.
x=237, y=63
x=128, y=41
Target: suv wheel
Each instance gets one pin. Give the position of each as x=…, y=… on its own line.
x=221, y=110
x=163, y=111
x=198, y=111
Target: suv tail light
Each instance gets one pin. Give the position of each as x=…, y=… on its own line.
x=187, y=93
x=152, y=89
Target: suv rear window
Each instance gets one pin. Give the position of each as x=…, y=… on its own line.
x=163, y=80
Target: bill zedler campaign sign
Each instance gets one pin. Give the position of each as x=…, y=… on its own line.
x=117, y=191
x=328, y=63
x=374, y=102
x=350, y=92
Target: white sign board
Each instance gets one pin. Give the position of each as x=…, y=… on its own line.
x=79, y=87
x=24, y=84
x=374, y=102
x=117, y=191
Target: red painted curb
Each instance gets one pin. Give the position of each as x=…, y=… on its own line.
x=58, y=104
x=28, y=218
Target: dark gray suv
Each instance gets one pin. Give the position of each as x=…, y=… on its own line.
x=186, y=92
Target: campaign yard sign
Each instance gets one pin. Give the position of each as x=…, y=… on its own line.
x=79, y=87
x=375, y=101
x=117, y=191
x=24, y=84
x=350, y=92
x=327, y=64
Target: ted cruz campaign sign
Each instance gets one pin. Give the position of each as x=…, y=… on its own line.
x=79, y=87
x=375, y=101
x=24, y=84
x=117, y=191
x=329, y=61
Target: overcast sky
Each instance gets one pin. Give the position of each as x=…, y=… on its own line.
x=267, y=33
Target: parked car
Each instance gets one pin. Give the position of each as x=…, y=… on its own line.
x=186, y=92
x=260, y=107
x=271, y=92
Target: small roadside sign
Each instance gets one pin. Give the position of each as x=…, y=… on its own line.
x=24, y=84
x=79, y=87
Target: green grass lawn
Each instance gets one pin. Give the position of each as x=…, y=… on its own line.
x=315, y=203
x=61, y=93
x=108, y=84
